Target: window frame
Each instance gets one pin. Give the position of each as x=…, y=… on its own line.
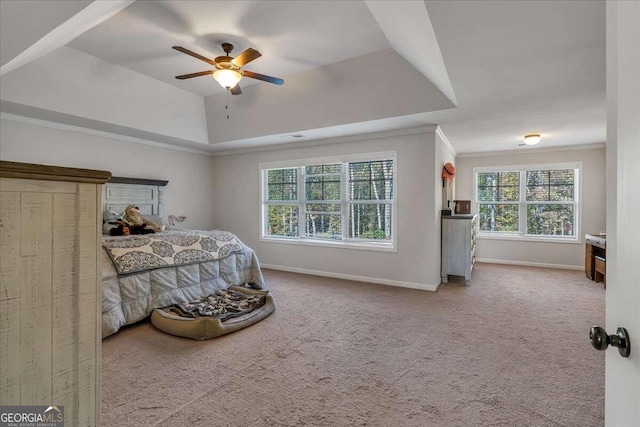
x=521, y=234
x=346, y=242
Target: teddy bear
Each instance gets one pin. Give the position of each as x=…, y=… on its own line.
x=132, y=217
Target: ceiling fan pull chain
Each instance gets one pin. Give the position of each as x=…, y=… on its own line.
x=226, y=107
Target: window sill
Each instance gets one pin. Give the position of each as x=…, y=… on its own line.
x=523, y=238
x=378, y=247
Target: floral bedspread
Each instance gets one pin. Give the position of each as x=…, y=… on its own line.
x=131, y=254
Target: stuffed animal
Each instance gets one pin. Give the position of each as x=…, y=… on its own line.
x=110, y=221
x=111, y=216
x=132, y=217
x=141, y=229
x=120, y=228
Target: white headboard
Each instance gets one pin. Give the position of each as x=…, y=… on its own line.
x=147, y=194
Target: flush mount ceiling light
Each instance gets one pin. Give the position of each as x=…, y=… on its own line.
x=532, y=139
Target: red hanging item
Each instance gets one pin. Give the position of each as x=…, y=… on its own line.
x=449, y=171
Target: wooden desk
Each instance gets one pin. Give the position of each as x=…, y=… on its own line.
x=595, y=246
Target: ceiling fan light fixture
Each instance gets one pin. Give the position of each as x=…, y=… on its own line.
x=227, y=78
x=532, y=138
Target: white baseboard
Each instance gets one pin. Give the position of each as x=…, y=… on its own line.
x=530, y=264
x=398, y=283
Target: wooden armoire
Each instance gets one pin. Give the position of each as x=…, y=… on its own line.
x=50, y=295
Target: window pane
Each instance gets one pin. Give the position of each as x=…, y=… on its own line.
x=320, y=169
x=489, y=179
x=537, y=177
x=537, y=193
x=322, y=187
x=275, y=191
x=495, y=217
x=313, y=169
x=313, y=191
x=551, y=185
x=499, y=186
x=282, y=184
x=282, y=220
x=361, y=190
x=509, y=193
x=322, y=207
x=509, y=186
x=564, y=176
x=324, y=226
x=371, y=180
x=370, y=221
x=561, y=193
x=550, y=220
x=487, y=194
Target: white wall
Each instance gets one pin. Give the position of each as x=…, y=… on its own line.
x=443, y=155
x=72, y=82
x=593, y=205
x=236, y=191
x=190, y=179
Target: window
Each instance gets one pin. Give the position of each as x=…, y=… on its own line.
x=334, y=201
x=533, y=202
x=282, y=210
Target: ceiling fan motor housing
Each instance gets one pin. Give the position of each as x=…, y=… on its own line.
x=227, y=47
x=224, y=63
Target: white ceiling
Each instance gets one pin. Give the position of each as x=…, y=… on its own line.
x=292, y=36
x=26, y=22
x=520, y=67
x=511, y=67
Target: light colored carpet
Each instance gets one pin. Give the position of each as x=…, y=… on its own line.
x=510, y=350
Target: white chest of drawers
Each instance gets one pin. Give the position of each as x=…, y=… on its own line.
x=458, y=246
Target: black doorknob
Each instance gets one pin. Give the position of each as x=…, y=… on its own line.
x=600, y=340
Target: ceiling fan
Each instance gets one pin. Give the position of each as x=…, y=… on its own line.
x=228, y=70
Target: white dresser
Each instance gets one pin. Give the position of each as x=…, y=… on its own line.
x=50, y=294
x=458, y=246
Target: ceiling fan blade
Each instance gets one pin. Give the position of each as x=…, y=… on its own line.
x=192, y=75
x=245, y=57
x=262, y=77
x=195, y=55
x=236, y=90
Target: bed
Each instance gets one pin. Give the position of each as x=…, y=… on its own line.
x=162, y=269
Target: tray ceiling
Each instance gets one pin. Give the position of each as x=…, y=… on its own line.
x=292, y=36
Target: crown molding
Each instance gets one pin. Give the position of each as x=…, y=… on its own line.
x=99, y=133
x=446, y=141
x=535, y=150
x=333, y=140
x=211, y=150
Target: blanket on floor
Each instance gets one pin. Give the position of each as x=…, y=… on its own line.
x=224, y=304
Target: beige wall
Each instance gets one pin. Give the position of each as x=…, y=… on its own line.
x=593, y=205
x=188, y=192
x=236, y=191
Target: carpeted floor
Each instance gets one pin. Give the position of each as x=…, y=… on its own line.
x=510, y=350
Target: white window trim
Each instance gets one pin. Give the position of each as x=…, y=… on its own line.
x=346, y=243
x=519, y=235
